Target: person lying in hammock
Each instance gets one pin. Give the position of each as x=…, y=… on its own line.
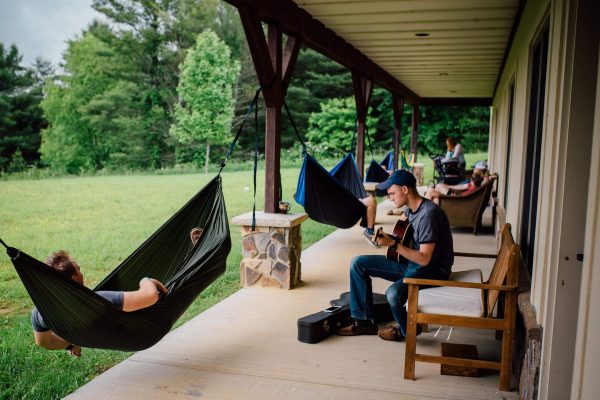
x=148, y=294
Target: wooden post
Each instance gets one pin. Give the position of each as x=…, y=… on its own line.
x=363, y=88
x=411, y=332
x=414, y=139
x=274, y=66
x=273, y=123
x=510, y=311
x=398, y=109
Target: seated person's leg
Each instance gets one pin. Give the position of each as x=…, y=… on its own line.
x=371, y=203
x=442, y=188
x=422, y=189
x=397, y=295
x=433, y=195
x=362, y=269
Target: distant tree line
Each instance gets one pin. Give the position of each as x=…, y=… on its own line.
x=163, y=82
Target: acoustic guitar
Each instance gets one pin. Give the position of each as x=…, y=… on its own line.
x=403, y=234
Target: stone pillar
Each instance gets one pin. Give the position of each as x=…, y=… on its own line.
x=271, y=254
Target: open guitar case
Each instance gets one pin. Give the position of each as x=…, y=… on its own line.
x=315, y=327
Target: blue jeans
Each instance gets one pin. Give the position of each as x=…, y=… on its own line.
x=362, y=268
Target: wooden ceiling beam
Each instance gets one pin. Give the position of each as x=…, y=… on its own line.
x=456, y=101
x=295, y=21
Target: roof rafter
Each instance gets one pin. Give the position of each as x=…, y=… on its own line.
x=297, y=22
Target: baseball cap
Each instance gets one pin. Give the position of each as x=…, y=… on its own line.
x=480, y=165
x=400, y=177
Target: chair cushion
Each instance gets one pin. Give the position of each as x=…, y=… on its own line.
x=453, y=300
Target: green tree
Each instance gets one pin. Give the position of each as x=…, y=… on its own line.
x=17, y=162
x=95, y=112
x=155, y=36
x=331, y=130
x=21, y=117
x=205, y=112
x=316, y=79
x=469, y=125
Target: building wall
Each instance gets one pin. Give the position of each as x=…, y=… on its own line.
x=563, y=209
x=587, y=352
x=517, y=68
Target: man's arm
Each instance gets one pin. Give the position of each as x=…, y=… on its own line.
x=145, y=296
x=51, y=341
x=421, y=256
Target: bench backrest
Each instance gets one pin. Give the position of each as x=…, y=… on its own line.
x=505, y=271
x=487, y=187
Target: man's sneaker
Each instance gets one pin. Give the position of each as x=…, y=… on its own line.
x=368, y=235
x=394, y=333
x=358, y=328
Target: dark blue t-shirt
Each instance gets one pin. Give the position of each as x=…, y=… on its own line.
x=431, y=225
x=39, y=325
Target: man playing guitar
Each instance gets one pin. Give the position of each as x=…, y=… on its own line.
x=430, y=255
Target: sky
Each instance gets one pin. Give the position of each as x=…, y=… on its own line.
x=42, y=27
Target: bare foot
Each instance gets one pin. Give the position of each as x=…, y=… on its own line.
x=195, y=234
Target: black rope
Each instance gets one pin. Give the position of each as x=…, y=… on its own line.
x=289, y=114
x=11, y=251
x=252, y=105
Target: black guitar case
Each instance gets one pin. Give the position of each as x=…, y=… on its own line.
x=315, y=327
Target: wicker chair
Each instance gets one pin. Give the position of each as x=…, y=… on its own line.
x=466, y=210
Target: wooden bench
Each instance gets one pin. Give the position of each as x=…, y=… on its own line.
x=439, y=311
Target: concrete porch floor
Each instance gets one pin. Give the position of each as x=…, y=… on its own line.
x=246, y=346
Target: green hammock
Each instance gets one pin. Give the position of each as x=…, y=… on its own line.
x=82, y=317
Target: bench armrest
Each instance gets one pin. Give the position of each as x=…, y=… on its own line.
x=468, y=285
x=478, y=255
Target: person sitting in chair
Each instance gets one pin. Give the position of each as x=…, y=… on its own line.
x=148, y=294
x=475, y=182
x=431, y=257
x=455, y=151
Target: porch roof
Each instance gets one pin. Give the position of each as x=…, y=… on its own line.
x=428, y=51
x=246, y=346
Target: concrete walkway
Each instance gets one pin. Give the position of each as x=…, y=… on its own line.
x=246, y=346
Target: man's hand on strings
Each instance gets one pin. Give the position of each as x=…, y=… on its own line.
x=385, y=240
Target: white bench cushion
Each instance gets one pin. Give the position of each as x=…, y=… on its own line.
x=454, y=300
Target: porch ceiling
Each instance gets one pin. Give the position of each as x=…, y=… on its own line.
x=460, y=58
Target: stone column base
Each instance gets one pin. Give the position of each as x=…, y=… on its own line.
x=271, y=253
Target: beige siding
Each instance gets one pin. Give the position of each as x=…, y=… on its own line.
x=585, y=376
x=562, y=196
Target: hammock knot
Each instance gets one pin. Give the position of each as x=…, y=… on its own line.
x=13, y=253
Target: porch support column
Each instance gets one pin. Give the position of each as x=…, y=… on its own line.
x=414, y=139
x=274, y=66
x=363, y=88
x=398, y=109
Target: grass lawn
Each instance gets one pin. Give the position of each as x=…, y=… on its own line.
x=101, y=220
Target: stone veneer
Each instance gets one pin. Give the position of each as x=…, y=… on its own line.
x=271, y=254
